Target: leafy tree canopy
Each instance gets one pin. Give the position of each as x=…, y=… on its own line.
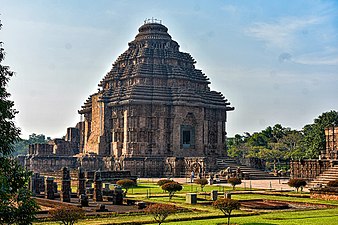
x=278, y=143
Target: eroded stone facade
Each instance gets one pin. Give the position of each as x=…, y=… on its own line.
x=154, y=113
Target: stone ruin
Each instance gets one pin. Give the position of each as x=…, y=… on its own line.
x=46, y=187
x=154, y=115
x=312, y=168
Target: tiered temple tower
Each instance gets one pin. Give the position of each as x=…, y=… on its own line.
x=154, y=113
x=154, y=103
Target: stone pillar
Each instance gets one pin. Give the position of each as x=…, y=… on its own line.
x=97, y=196
x=227, y=195
x=49, y=188
x=191, y=198
x=214, y=195
x=34, y=184
x=66, y=185
x=55, y=187
x=81, y=189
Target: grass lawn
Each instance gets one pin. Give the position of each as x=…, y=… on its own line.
x=206, y=214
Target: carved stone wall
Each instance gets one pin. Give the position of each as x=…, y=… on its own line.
x=308, y=169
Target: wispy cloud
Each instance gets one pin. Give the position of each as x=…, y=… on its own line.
x=284, y=32
x=327, y=57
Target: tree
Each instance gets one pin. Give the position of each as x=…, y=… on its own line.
x=227, y=206
x=160, y=211
x=16, y=204
x=234, y=181
x=202, y=182
x=314, y=135
x=172, y=188
x=67, y=215
x=297, y=183
x=126, y=184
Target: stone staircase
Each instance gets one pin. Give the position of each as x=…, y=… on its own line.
x=325, y=177
x=254, y=174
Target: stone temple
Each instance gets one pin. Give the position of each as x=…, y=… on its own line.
x=154, y=114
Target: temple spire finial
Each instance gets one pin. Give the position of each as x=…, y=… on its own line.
x=152, y=20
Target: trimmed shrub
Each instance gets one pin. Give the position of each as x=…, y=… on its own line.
x=172, y=188
x=234, y=181
x=226, y=205
x=126, y=184
x=67, y=215
x=297, y=183
x=201, y=182
x=160, y=211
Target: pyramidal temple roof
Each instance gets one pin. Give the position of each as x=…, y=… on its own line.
x=153, y=69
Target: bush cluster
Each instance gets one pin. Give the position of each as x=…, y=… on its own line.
x=172, y=188
x=160, y=211
x=67, y=215
x=297, y=183
x=234, y=181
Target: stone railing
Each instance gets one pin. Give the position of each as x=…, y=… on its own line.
x=308, y=169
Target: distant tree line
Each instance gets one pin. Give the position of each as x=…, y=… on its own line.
x=281, y=144
x=21, y=146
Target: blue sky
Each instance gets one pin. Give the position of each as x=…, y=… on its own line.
x=276, y=61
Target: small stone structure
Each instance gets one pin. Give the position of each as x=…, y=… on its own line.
x=97, y=196
x=191, y=198
x=66, y=185
x=49, y=191
x=214, y=195
x=81, y=182
x=37, y=184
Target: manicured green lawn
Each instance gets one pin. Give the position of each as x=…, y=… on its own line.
x=206, y=214
x=311, y=217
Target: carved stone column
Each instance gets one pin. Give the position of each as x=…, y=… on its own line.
x=66, y=185
x=49, y=188
x=97, y=196
x=82, y=182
